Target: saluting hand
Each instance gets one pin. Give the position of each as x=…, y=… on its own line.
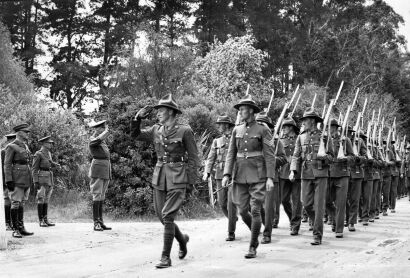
x=144, y=112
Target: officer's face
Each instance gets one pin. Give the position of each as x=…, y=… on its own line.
x=222, y=128
x=164, y=114
x=48, y=145
x=24, y=134
x=308, y=123
x=245, y=112
x=286, y=129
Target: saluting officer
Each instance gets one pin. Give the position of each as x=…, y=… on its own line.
x=7, y=203
x=271, y=209
x=18, y=177
x=315, y=171
x=176, y=169
x=290, y=191
x=356, y=179
x=339, y=178
x=43, y=179
x=216, y=157
x=250, y=148
x=100, y=171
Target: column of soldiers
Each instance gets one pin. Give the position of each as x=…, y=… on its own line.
x=256, y=170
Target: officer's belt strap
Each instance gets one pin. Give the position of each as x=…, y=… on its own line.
x=171, y=159
x=249, y=154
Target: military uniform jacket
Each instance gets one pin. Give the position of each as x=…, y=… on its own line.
x=3, y=155
x=101, y=164
x=289, y=143
x=41, y=168
x=307, y=146
x=217, y=154
x=405, y=166
x=395, y=168
x=390, y=165
x=177, y=154
x=341, y=168
x=377, y=164
x=356, y=168
x=250, y=147
x=17, y=164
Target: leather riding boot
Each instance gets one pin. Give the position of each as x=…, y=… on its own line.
x=183, y=241
x=22, y=229
x=7, y=214
x=96, y=217
x=14, y=218
x=45, y=213
x=100, y=213
x=165, y=262
x=40, y=212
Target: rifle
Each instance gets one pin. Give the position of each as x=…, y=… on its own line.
x=355, y=99
x=342, y=146
x=388, y=145
x=322, y=152
x=398, y=158
x=296, y=104
x=313, y=101
x=356, y=129
x=368, y=152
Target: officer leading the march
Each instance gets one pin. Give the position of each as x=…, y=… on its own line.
x=7, y=203
x=216, y=156
x=18, y=177
x=176, y=169
x=43, y=179
x=250, y=148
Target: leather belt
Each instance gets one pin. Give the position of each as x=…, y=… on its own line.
x=249, y=154
x=44, y=169
x=168, y=159
x=20, y=164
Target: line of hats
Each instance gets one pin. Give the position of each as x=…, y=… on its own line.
x=26, y=128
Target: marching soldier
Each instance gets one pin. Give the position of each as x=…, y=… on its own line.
x=395, y=173
x=7, y=203
x=290, y=190
x=43, y=179
x=367, y=186
x=18, y=177
x=387, y=179
x=356, y=180
x=250, y=148
x=176, y=169
x=314, y=171
x=271, y=209
x=339, y=178
x=406, y=169
x=100, y=171
x=378, y=163
x=216, y=157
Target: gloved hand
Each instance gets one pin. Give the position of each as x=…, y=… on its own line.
x=10, y=185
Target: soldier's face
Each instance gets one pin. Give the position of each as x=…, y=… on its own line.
x=245, y=112
x=163, y=114
x=222, y=128
x=308, y=123
x=24, y=134
x=333, y=129
x=286, y=129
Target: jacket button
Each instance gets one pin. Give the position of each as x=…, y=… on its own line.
x=246, y=141
x=246, y=133
x=246, y=150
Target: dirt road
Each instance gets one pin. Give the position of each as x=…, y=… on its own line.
x=132, y=249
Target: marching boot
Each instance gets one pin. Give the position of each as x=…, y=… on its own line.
x=182, y=240
x=252, y=251
x=100, y=213
x=22, y=229
x=14, y=218
x=165, y=262
x=45, y=212
x=294, y=231
x=96, y=217
x=351, y=228
x=7, y=213
x=40, y=212
x=317, y=240
x=231, y=237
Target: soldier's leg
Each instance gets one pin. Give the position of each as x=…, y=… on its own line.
x=41, y=195
x=296, y=206
x=257, y=196
x=241, y=198
x=319, y=206
x=349, y=196
x=49, y=192
x=7, y=209
x=276, y=204
x=408, y=186
x=393, y=193
x=308, y=193
x=330, y=207
x=373, y=204
x=286, y=190
x=25, y=192
x=341, y=196
x=379, y=199
x=268, y=215
x=355, y=192
x=386, y=193
x=232, y=215
x=222, y=198
x=366, y=196
x=16, y=197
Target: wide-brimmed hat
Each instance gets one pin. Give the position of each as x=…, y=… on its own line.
x=98, y=124
x=46, y=139
x=289, y=121
x=311, y=113
x=247, y=100
x=334, y=122
x=168, y=102
x=408, y=145
x=362, y=135
x=225, y=119
x=22, y=127
x=350, y=128
x=264, y=118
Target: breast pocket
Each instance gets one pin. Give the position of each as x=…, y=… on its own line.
x=179, y=173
